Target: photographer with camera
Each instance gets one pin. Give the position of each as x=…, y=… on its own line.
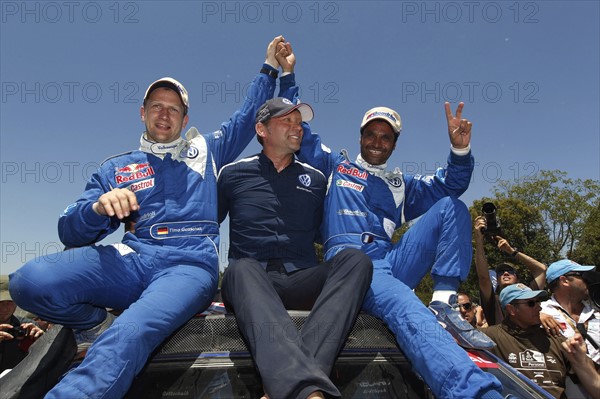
x=506, y=273
x=16, y=334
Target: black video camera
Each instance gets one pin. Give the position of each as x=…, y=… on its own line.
x=17, y=331
x=491, y=219
x=592, y=280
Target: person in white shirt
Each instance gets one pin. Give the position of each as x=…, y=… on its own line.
x=569, y=310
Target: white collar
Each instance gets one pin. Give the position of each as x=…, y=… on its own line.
x=377, y=170
x=587, y=310
x=160, y=149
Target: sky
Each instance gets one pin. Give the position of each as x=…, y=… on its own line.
x=73, y=74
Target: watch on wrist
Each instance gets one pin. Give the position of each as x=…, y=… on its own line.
x=515, y=253
x=271, y=72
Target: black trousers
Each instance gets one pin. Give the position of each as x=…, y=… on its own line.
x=293, y=363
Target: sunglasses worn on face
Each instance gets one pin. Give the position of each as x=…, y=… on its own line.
x=531, y=303
x=509, y=271
x=573, y=274
x=465, y=306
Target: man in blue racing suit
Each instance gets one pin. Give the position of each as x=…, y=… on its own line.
x=367, y=203
x=165, y=270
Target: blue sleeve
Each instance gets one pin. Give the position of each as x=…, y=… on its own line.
x=424, y=191
x=234, y=135
x=288, y=88
x=79, y=225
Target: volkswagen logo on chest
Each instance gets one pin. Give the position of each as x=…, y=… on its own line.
x=304, y=180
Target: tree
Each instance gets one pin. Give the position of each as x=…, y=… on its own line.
x=587, y=251
x=565, y=205
x=548, y=216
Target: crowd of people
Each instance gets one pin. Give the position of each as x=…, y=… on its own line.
x=541, y=336
x=172, y=194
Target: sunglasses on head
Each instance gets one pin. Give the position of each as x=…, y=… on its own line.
x=531, y=303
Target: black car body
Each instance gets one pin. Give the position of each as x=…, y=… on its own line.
x=207, y=358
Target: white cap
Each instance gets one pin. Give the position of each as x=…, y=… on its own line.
x=171, y=84
x=386, y=114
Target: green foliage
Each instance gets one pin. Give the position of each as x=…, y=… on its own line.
x=319, y=251
x=565, y=205
x=548, y=217
x=424, y=289
x=588, y=248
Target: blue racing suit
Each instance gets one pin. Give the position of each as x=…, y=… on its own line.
x=164, y=271
x=365, y=204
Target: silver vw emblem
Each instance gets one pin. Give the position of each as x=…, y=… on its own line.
x=304, y=180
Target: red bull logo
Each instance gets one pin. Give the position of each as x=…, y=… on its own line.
x=353, y=172
x=133, y=171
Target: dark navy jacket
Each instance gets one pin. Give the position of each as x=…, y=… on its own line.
x=272, y=216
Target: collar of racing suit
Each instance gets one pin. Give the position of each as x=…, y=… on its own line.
x=161, y=149
x=377, y=170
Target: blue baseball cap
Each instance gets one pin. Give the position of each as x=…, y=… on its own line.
x=519, y=291
x=563, y=267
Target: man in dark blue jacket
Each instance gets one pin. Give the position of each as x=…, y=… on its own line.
x=275, y=206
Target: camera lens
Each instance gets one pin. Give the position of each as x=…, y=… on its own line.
x=492, y=222
x=488, y=208
x=592, y=280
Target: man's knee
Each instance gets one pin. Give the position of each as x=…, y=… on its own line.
x=453, y=203
x=239, y=268
x=239, y=274
x=452, y=211
x=355, y=259
x=27, y=286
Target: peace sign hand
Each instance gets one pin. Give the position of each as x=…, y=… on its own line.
x=459, y=130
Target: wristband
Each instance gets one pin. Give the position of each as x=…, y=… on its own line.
x=271, y=72
x=515, y=253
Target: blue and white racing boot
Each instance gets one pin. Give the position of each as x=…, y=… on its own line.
x=464, y=333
